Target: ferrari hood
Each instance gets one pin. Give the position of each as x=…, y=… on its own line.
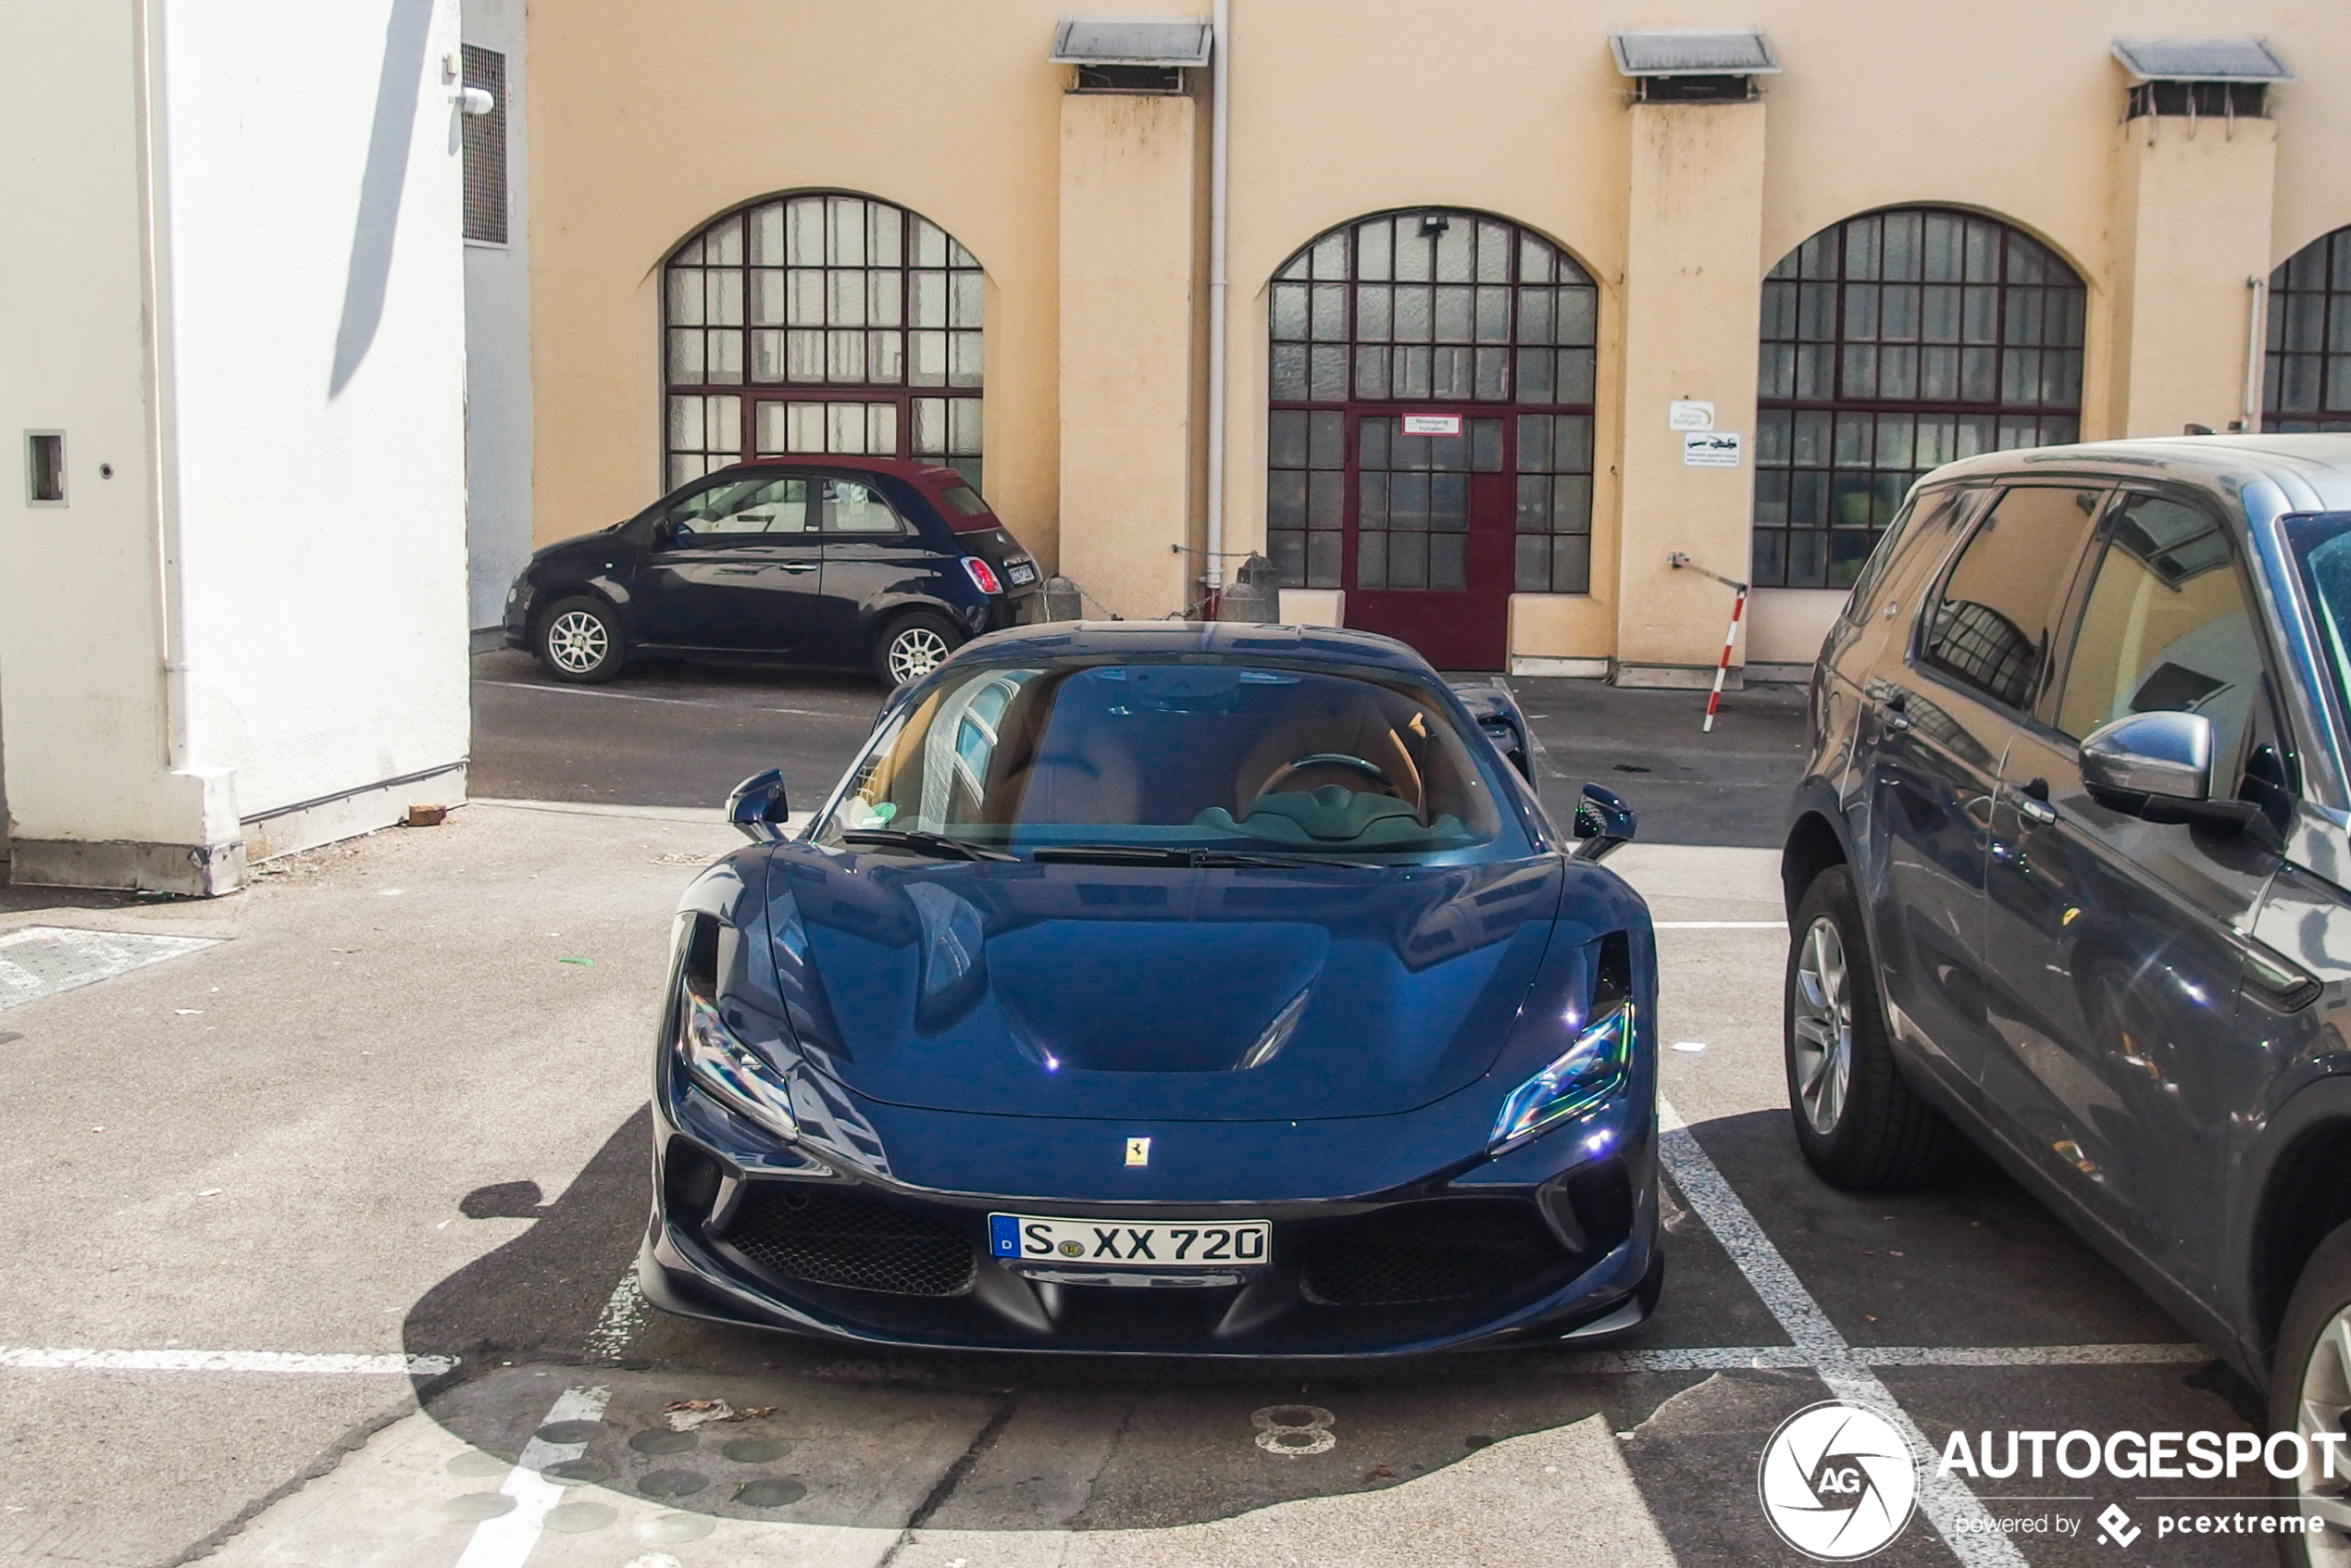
x=1079, y=991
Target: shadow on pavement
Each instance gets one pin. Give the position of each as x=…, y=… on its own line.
x=848, y=1436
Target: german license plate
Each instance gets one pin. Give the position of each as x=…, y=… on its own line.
x=1021, y=573
x=1205, y=1244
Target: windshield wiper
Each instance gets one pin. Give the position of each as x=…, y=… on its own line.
x=1145, y=855
x=937, y=845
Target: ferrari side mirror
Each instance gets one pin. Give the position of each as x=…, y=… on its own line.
x=757, y=807
x=1603, y=822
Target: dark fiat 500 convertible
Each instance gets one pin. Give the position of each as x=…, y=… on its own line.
x=1157, y=988
x=847, y=562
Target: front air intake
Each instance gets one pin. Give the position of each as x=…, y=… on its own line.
x=1434, y=1251
x=844, y=1238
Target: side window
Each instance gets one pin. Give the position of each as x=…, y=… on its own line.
x=2168, y=626
x=1990, y=625
x=851, y=507
x=1925, y=514
x=726, y=513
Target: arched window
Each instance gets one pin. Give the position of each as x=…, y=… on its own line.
x=1430, y=435
x=832, y=323
x=1893, y=342
x=2309, y=383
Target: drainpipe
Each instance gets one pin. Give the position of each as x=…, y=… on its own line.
x=2257, y=290
x=163, y=454
x=1219, y=155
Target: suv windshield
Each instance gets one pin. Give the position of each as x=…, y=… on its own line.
x=1177, y=757
x=2323, y=550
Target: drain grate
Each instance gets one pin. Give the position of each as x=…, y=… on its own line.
x=43, y=960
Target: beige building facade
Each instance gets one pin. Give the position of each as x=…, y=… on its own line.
x=1507, y=325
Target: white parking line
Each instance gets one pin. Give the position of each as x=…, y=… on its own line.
x=1957, y=1514
x=624, y=1316
x=1718, y=925
x=671, y=702
x=507, y=1540
x=1741, y=1358
x=624, y=1313
x=23, y=1358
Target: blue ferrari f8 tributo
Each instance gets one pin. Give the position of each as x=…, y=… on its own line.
x=1166, y=988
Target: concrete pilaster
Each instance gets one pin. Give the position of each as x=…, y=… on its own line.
x=2193, y=207
x=1130, y=218
x=1693, y=297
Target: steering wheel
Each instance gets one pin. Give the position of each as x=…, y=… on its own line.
x=1369, y=771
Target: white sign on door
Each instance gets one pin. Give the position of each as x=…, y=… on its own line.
x=1711, y=449
x=1689, y=416
x=1432, y=424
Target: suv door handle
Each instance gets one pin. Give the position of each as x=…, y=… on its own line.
x=2031, y=806
x=795, y=566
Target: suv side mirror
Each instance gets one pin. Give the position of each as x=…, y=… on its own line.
x=1603, y=822
x=1500, y=721
x=2157, y=767
x=757, y=807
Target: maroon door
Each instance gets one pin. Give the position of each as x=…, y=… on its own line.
x=1429, y=533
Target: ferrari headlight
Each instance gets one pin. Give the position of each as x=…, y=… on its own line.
x=1588, y=1073
x=731, y=1072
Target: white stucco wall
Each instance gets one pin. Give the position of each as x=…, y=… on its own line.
x=317, y=387
x=234, y=280
x=80, y=694
x=498, y=346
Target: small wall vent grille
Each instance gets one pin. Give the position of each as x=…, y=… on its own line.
x=485, y=149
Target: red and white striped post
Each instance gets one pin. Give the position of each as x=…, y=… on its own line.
x=1714, y=699
x=1738, y=608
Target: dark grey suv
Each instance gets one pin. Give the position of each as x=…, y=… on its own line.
x=2067, y=871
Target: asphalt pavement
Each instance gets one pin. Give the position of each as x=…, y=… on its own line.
x=684, y=735
x=323, y=1214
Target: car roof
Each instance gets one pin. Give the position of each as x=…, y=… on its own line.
x=1239, y=640
x=900, y=467
x=2313, y=470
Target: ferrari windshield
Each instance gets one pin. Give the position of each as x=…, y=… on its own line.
x=1176, y=758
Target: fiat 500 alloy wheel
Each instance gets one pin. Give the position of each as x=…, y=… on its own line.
x=914, y=651
x=577, y=641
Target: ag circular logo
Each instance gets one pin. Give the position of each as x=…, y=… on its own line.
x=1836, y=1481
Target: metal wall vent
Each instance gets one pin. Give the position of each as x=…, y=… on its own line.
x=2200, y=59
x=1165, y=43
x=1693, y=51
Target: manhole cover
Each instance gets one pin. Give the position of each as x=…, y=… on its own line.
x=578, y=1518
x=473, y=1507
x=755, y=1451
x=673, y=1483
x=563, y=1434
x=770, y=1494
x=659, y=1441
x=672, y=1529
x=577, y=1472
